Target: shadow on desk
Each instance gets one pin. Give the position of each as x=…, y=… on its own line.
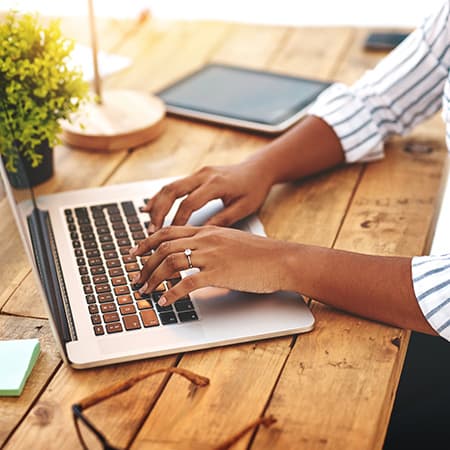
x=421, y=415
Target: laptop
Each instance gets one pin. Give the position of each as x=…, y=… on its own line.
x=78, y=243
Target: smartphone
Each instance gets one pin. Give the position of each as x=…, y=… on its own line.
x=383, y=41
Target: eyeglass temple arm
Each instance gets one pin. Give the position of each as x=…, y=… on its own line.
x=266, y=421
x=123, y=386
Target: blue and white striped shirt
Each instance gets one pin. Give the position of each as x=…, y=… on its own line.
x=405, y=88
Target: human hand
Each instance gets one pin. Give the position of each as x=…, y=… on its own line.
x=242, y=188
x=226, y=258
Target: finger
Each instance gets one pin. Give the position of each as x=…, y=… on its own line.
x=161, y=253
x=163, y=201
x=229, y=215
x=163, y=235
x=194, y=201
x=183, y=288
x=173, y=262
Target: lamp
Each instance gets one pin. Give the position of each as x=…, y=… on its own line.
x=116, y=119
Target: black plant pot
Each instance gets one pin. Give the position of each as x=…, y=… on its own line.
x=27, y=176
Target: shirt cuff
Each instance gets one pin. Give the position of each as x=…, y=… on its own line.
x=431, y=283
x=350, y=119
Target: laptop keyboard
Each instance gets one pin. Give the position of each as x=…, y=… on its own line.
x=102, y=236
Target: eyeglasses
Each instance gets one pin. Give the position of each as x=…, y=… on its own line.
x=91, y=438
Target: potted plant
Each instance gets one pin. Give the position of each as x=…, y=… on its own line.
x=38, y=88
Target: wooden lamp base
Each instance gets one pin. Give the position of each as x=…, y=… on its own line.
x=124, y=119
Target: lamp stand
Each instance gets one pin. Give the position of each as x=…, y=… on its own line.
x=117, y=119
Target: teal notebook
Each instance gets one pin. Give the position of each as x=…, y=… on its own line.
x=17, y=358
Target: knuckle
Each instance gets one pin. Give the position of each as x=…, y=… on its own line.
x=167, y=190
x=171, y=262
x=164, y=248
x=190, y=283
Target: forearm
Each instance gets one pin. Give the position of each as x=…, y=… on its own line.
x=308, y=148
x=376, y=287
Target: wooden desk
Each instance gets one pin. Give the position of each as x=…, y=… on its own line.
x=332, y=388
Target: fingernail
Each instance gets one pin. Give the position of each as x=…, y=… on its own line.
x=132, y=250
x=162, y=301
x=143, y=288
x=151, y=228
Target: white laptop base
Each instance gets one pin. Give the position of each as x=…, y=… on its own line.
x=225, y=317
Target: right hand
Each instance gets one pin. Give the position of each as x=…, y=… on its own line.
x=242, y=188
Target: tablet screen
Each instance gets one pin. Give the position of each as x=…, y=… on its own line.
x=244, y=94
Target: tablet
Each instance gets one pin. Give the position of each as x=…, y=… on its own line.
x=246, y=98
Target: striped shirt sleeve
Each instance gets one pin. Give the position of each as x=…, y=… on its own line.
x=431, y=281
x=404, y=89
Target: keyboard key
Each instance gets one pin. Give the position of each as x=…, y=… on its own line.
x=173, y=281
x=187, y=316
x=131, y=275
x=168, y=318
x=83, y=270
x=118, y=226
x=104, y=298
x=103, y=230
x=184, y=305
x=98, y=330
x=115, y=272
x=90, y=245
x=96, y=319
x=95, y=262
x=115, y=218
x=114, y=327
x=138, y=235
x=144, y=304
x=105, y=238
x=72, y=227
x=119, y=281
x=124, y=299
x=121, y=290
x=100, y=279
x=88, y=289
x=86, y=229
x=90, y=298
x=76, y=244
x=139, y=296
x=125, y=251
x=85, y=279
x=111, y=317
x=88, y=237
x=164, y=308
x=135, y=227
x=149, y=318
x=160, y=288
x=124, y=242
x=78, y=253
x=112, y=254
x=102, y=288
x=120, y=234
x=97, y=270
x=108, y=307
x=132, y=267
x=108, y=246
x=93, y=309
x=70, y=219
x=131, y=322
x=128, y=208
x=127, y=309
x=100, y=222
x=81, y=212
x=83, y=221
x=81, y=261
x=129, y=259
x=132, y=219
x=112, y=263
x=74, y=236
x=68, y=212
x=94, y=253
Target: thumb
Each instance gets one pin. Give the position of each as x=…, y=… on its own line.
x=229, y=215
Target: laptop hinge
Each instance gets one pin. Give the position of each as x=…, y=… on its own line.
x=50, y=272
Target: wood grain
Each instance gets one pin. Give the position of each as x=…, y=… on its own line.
x=13, y=409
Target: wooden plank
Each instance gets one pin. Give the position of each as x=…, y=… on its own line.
x=349, y=362
x=14, y=408
x=236, y=400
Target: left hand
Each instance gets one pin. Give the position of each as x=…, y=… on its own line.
x=226, y=258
